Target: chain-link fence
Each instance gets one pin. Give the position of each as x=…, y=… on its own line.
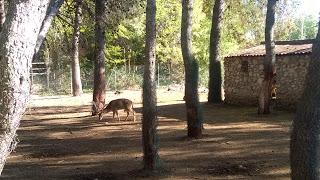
x=58, y=80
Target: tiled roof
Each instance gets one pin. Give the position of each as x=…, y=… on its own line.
x=281, y=48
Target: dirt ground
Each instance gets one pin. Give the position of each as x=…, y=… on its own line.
x=60, y=140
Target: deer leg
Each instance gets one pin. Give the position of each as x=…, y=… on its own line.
x=134, y=117
x=100, y=116
x=113, y=114
x=118, y=116
x=127, y=115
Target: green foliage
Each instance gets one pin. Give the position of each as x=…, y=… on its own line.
x=201, y=34
x=285, y=14
x=309, y=25
x=120, y=78
x=126, y=43
x=168, y=31
x=242, y=26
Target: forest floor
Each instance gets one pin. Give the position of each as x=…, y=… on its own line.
x=60, y=140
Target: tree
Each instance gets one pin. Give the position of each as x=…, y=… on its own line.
x=75, y=65
x=304, y=27
x=51, y=13
x=2, y=14
x=149, y=128
x=99, y=83
x=269, y=61
x=305, y=139
x=20, y=31
x=215, y=76
x=286, y=13
x=168, y=31
x=194, y=115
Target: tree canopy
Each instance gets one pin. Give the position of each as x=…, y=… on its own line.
x=243, y=27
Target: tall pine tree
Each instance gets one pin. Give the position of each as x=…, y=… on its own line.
x=194, y=114
x=305, y=137
x=269, y=61
x=215, y=76
x=20, y=31
x=75, y=64
x=99, y=83
x=149, y=110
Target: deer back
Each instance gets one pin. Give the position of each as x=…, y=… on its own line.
x=119, y=104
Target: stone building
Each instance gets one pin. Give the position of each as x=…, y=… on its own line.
x=244, y=73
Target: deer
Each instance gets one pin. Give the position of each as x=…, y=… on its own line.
x=116, y=105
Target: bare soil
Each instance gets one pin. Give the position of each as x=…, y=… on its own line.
x=60, y=140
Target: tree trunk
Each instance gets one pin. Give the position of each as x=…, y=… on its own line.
x=305, y=137
x=269, y=61
x=75, y=65
x=17, y=39
x=2, y=14
x=51, y=13
x=170, y=69
x=215, y=76
x=99, y=87
x=149, y=127
x=194, y=114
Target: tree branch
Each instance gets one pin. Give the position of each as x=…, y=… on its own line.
x=64, y=20
x=52, y=11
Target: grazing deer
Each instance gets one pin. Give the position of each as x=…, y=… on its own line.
x=116, y=105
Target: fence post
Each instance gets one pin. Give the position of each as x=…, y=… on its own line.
x=115, y=79
x=158, y=75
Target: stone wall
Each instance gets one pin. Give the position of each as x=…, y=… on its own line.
x=244, y=75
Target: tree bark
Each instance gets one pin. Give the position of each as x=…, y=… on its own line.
x=18, y=40
x=194, y=114
x=269, y=61
x=149, y=119
x=2, y=14
x=99, y=87
x=305, y=137
x=51, y=13
x=75, y=65
x=215, y=76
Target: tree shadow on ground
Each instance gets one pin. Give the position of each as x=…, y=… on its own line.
x=236, y=144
